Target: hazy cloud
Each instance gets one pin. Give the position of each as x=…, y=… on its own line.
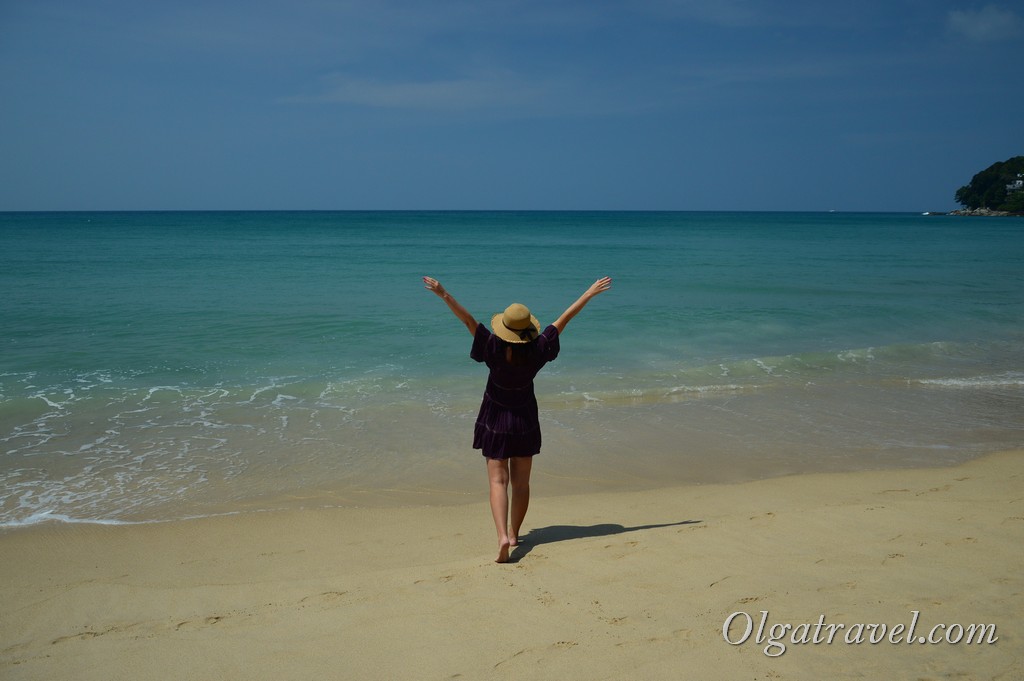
x=450, y=94
x=988, y=24
x=729, y=13
x=505, y=93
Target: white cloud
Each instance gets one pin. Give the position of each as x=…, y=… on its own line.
x=988, y=24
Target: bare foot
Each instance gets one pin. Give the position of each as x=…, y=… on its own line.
x=513, y=541
x=503, y=547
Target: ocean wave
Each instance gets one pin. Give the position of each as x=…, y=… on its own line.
x=1005, y=380
x=41, y=517
x=648, y=395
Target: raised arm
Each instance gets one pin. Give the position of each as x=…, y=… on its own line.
x=599, y=286
x=453, y=305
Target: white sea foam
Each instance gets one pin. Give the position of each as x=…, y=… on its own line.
x=260, y=391
x=709, y=389
x=864, y=354
x=160, y=388
x=1006, y=380
x=52, y=516
x=48, y=401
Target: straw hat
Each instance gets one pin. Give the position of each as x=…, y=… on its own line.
x=515, y=324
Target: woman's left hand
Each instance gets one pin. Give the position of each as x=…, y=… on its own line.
x=434, y=285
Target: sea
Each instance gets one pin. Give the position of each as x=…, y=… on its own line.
x=157, y=366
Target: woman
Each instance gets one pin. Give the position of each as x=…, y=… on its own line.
x=507, y=429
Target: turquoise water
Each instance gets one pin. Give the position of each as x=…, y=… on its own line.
x=166, y=365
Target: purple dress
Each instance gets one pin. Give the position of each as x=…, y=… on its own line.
x=508, y=424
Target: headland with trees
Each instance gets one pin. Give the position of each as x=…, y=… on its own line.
x=997, y=190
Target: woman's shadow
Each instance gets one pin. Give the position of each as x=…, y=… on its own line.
x=556, y=533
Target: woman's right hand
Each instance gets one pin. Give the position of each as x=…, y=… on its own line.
x=599, y=286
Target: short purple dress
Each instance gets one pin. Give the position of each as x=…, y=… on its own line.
x=508, y=424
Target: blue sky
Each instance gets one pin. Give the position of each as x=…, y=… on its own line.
x=505, y=104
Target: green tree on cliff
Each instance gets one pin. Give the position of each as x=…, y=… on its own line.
x=1014, y=202
x=988, y=188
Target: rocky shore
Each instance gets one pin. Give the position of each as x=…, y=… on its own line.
x=982, y=212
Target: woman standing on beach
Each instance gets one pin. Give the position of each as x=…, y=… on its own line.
x=507, y=429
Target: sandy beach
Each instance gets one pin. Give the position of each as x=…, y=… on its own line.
x=634, y=585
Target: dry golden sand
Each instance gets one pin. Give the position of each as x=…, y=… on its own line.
x=608, y=586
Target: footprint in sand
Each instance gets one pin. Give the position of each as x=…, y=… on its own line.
x=538, y=654
x=443, y=579
x=89, y=634
x=675, y=637
x=844, y=585
x=965, y=540
x=944, y=488
x=205, y=622
x=85, y=635
x=326, y=596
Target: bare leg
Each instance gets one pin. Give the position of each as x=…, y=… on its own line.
x=498, y=474
x=519, y=468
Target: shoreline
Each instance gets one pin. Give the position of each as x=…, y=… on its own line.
x=556, y=476
x=980, y=212
x=605, y=445
x=610, y=584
